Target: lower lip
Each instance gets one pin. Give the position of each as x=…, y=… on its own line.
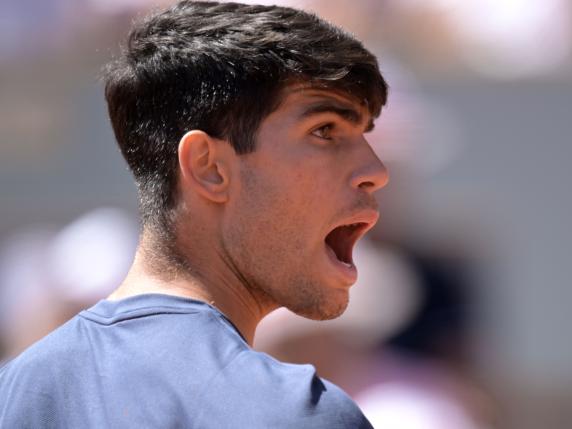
x=349, y=273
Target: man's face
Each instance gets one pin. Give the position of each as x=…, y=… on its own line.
x=303, y=199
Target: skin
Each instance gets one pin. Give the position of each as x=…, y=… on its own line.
x=264, y=216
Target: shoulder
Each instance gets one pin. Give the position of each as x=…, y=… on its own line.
x=28, y=382
x=260, y=392
x=35, y=361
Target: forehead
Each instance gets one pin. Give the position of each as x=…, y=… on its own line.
x=303, y=100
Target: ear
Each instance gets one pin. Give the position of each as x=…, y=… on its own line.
x=204, y=165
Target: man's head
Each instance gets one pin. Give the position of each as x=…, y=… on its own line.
x=255, y=78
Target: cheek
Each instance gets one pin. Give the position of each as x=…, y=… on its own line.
x=281, y=206
x=271, y=217
x=274, y=213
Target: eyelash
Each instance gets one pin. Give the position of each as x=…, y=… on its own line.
x=328, y=127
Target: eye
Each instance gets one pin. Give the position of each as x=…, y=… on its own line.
x=324, y=132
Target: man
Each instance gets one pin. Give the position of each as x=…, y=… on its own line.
x=244, y=129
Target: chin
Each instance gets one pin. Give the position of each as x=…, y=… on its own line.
x=324, y=308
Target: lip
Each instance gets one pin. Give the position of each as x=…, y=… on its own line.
x=367, y=218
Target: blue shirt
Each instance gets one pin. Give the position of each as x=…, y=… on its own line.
x=158, y=361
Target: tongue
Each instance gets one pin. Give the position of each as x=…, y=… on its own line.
x=338, y=241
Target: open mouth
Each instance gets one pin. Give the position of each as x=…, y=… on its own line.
x=342, y=240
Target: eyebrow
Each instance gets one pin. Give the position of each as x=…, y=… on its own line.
x=347, y=113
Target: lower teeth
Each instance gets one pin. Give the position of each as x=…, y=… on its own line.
x=347, y=264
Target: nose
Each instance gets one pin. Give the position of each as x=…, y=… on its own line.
x=372, y=174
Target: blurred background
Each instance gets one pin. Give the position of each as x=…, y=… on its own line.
x=460, y=318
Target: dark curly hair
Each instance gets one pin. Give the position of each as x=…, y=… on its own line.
x=220, y=68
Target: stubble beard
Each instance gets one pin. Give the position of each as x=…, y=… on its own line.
x=277, y=279
x=313, y=301
x=295, y=291
x=271, y=272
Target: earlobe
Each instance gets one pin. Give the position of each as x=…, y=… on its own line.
x=203, y=166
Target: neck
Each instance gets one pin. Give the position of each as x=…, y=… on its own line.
x=244, y=308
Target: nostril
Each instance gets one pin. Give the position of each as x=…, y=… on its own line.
x=366, y=185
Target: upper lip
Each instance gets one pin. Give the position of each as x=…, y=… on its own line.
x=367, y=217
